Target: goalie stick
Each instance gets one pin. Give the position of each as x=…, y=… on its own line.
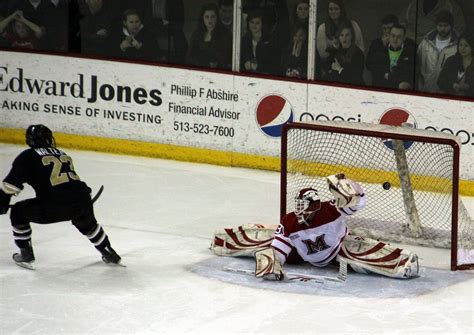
x=305, y=278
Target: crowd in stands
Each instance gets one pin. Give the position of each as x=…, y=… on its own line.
x=426, y=47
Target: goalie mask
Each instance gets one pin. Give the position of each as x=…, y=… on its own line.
x=307, y=203
x=39, y=136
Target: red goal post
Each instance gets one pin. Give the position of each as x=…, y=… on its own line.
x=410, y=176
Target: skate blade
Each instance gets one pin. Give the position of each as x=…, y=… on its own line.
x=117, y=264
x=113, y=264
x=24, y=265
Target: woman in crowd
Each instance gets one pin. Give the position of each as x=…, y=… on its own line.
x=301, y=13
x=327, y=40
x=256, y=53
x=19, y=32
x=347, y=64
x=295, y=56
x=457, y=75
x=211, y=43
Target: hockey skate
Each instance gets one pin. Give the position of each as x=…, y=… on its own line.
x=25, y=258
x=109, y=256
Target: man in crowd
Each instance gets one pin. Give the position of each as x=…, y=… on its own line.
x=392, y=65
x=437, y=46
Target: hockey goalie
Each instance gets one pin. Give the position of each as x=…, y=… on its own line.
x=316, y=233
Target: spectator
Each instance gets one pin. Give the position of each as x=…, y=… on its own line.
x=457, y=75
x=467, y=8
x=211, y=43
x=347, y=64
x=256, y=53
x=301, y=13
x=421, y=14
x=295, y=57
x=95, y=25
x=133, y=41
x=226, y=13
x=327, y=41
x=57, y=24
x=277, y=22
x=36, y=12
x=18, y=32
x=433, y=51
x=166, y=19
x=276, y=16
x=392, y=66
x=380, y=44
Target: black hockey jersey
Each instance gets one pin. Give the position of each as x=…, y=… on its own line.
x=50, y=171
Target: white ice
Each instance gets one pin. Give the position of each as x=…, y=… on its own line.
x=160, y=216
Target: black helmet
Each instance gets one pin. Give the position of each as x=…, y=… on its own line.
x=39, y=136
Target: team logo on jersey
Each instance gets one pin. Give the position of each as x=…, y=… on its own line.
x=397, y=117
x=319, y=244
x=273, y=111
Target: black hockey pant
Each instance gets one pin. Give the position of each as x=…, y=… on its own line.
x=79, y=212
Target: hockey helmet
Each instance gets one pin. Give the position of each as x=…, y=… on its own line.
x=307, y=202
x=39, y=136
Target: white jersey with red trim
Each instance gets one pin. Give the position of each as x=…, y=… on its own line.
x=319, y=241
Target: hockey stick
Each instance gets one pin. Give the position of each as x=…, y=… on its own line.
x=305, y=278
x=94, y=199
x=97, y=195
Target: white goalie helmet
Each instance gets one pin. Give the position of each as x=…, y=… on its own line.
x=307, y=202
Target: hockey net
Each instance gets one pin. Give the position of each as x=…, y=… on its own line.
x=410, y=177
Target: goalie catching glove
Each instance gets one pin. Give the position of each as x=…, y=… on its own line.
x=267, y=265
x=346, y=192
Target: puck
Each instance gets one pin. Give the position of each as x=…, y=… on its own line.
x=386, y=185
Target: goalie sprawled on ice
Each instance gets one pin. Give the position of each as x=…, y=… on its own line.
x=316, y=233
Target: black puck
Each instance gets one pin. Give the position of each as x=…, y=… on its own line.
x=386, y=185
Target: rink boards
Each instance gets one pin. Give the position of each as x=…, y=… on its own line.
x=209, y=117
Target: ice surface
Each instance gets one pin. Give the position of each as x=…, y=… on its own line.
x=160, y=216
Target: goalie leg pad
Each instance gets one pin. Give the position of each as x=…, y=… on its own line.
x=267, y=265
x=243, y=240
x=365, y=255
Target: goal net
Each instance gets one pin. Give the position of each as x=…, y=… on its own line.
x=410, y=177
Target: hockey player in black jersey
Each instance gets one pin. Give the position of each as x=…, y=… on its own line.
x=60, y=196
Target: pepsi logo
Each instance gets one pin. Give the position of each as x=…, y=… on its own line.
x=397, y=117
x=273, y=111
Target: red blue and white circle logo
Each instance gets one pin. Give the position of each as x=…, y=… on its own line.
x=397, y=117
x=273, y=111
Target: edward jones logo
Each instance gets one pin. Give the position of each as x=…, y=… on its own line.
x=273, y=111
x=397, y=117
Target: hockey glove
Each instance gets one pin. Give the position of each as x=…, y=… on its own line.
x=4, y=202
x=345, y=191
x=267, y=265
